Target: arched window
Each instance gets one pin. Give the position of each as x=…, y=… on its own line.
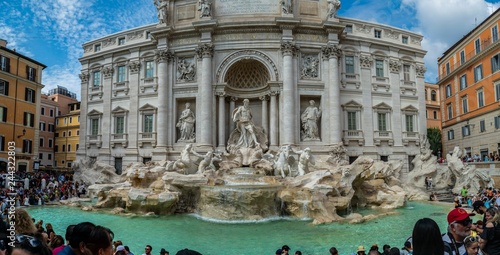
x=433, y=95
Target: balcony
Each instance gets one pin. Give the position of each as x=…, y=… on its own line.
x=95, y=91
x=355, y=136
x=383, y=136
x=350, y=78
x=380, y=84
x=149, y=85
x=147, y=137
x=411, y=137
x=94, y=140
x=120, y=87
x=119, y=139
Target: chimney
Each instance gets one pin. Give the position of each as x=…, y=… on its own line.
x=3, y=43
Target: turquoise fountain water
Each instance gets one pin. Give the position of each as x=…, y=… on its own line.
x=211, y=238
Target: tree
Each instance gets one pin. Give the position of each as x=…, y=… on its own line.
x=434, y=137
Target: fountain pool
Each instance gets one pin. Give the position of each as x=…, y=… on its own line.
x=256, y=238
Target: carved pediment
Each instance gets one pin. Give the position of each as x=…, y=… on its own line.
x=382, y=106
x=410, y=108
x=352, y=105
x=94, y=113
x=147, y=107
x=119, y=109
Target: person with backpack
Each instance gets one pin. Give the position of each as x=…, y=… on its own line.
x=459, y=227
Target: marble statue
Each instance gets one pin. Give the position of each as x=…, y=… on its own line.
x=205, y=8
x=184, y=163
x=162, y=8
x=305, y=159
x=284, y=162
x=206, y=163
x=186, y=71
x=309, y=119
x=333, y=8
x=242, y=116
x=310, y=67
x=186, y=125
x=286, y=6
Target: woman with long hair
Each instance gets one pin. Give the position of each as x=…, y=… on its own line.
x=426, y=238
x=491, y=233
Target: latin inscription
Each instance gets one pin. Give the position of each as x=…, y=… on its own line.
x=235, y=7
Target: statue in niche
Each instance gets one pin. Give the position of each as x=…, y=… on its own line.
x=205, y=8
x=162, y=9
x=242, y=116
x=310, y=67
x=185, y=70
x=309, y=119
x=286, y=6
x=333, y=8
x=305, y=159
x=186, y=125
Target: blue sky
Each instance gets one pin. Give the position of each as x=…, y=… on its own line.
x=52, y=31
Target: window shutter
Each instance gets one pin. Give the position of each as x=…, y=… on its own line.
x=7, y=64
x=26, y=91
x=32, y=119
x=4, y=116
x=25, y=119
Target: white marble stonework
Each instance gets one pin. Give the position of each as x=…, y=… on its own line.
x=279, y=55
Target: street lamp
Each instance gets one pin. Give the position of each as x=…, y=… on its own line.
x=24, y=133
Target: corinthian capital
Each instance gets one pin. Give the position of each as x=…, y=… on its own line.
x=163, y=55
x=331, y=51
x=205, y=50
x=289, y=48
x=84, y=76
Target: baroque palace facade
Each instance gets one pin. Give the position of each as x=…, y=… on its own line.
x=365, y=82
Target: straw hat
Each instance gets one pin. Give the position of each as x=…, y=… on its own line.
x=361, y=248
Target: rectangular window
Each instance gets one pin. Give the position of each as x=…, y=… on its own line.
x=497, y=122
x=65, y=120
x=30, y=73
x=51, y=128
x=495, y=63
x=94, y=126
x=49, y=156
x=450, y=111
x=379, y=68
x=477, y=45
x=51, y=113
x=478, y=73
x=480, y=98
x=64, y=148
x=349, y=64
x=29, y=95
x=121, y=41
x=451, y=134
x=382, y=121
x=466, y=130
x=69, y=147
x=462, y=57
x=97, y=79
x=149, y=69
x=465, y=105
x=482, y=126
x=148, y=35
x=447, y=68
x=348, y=29
x=3, y=114
x=463, y=81
x=448, y=90
x=29, y=119
x=42, y=111
x=121, y=74
x=406, y=72
x=4, y=63
x=2, y=143
x=404, y=39
x=50, y=143
x=41, y=126
x=435, y=115
x=97, y=48
x=4, y=87
x=41, y=142
x=27, y=146
x=384, y=158
x=494, y=33
x=148, y=123
x=119, y=125
x=351, y=121
x=409, y=123
x=378, y=33
x=497, y=91
x=77, y=146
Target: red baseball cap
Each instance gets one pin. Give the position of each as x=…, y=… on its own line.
x=458, y=214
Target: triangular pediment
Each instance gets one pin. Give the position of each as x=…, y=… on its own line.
x=352, y=104
x=119, y=109
x=410, y=108
x=147, y=107
x=94, y=112
x=382, y=106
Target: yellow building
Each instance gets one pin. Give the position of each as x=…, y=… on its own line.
x=20, y=89
x=67, y=137
x=469, y=80
x=432, y=105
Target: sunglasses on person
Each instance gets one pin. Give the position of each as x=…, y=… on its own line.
x=33, y=242
x=465, y=222
x=471, y=239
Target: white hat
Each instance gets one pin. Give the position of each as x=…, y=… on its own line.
x=120, y=248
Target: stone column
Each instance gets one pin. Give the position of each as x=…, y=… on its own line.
x=265, y=122
x=163, y=111
x=222, y=119
x=335, y=129
x=171, y=113
x=289, y=100
x=273, y=131
x=205, y=96
x=231, y=109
